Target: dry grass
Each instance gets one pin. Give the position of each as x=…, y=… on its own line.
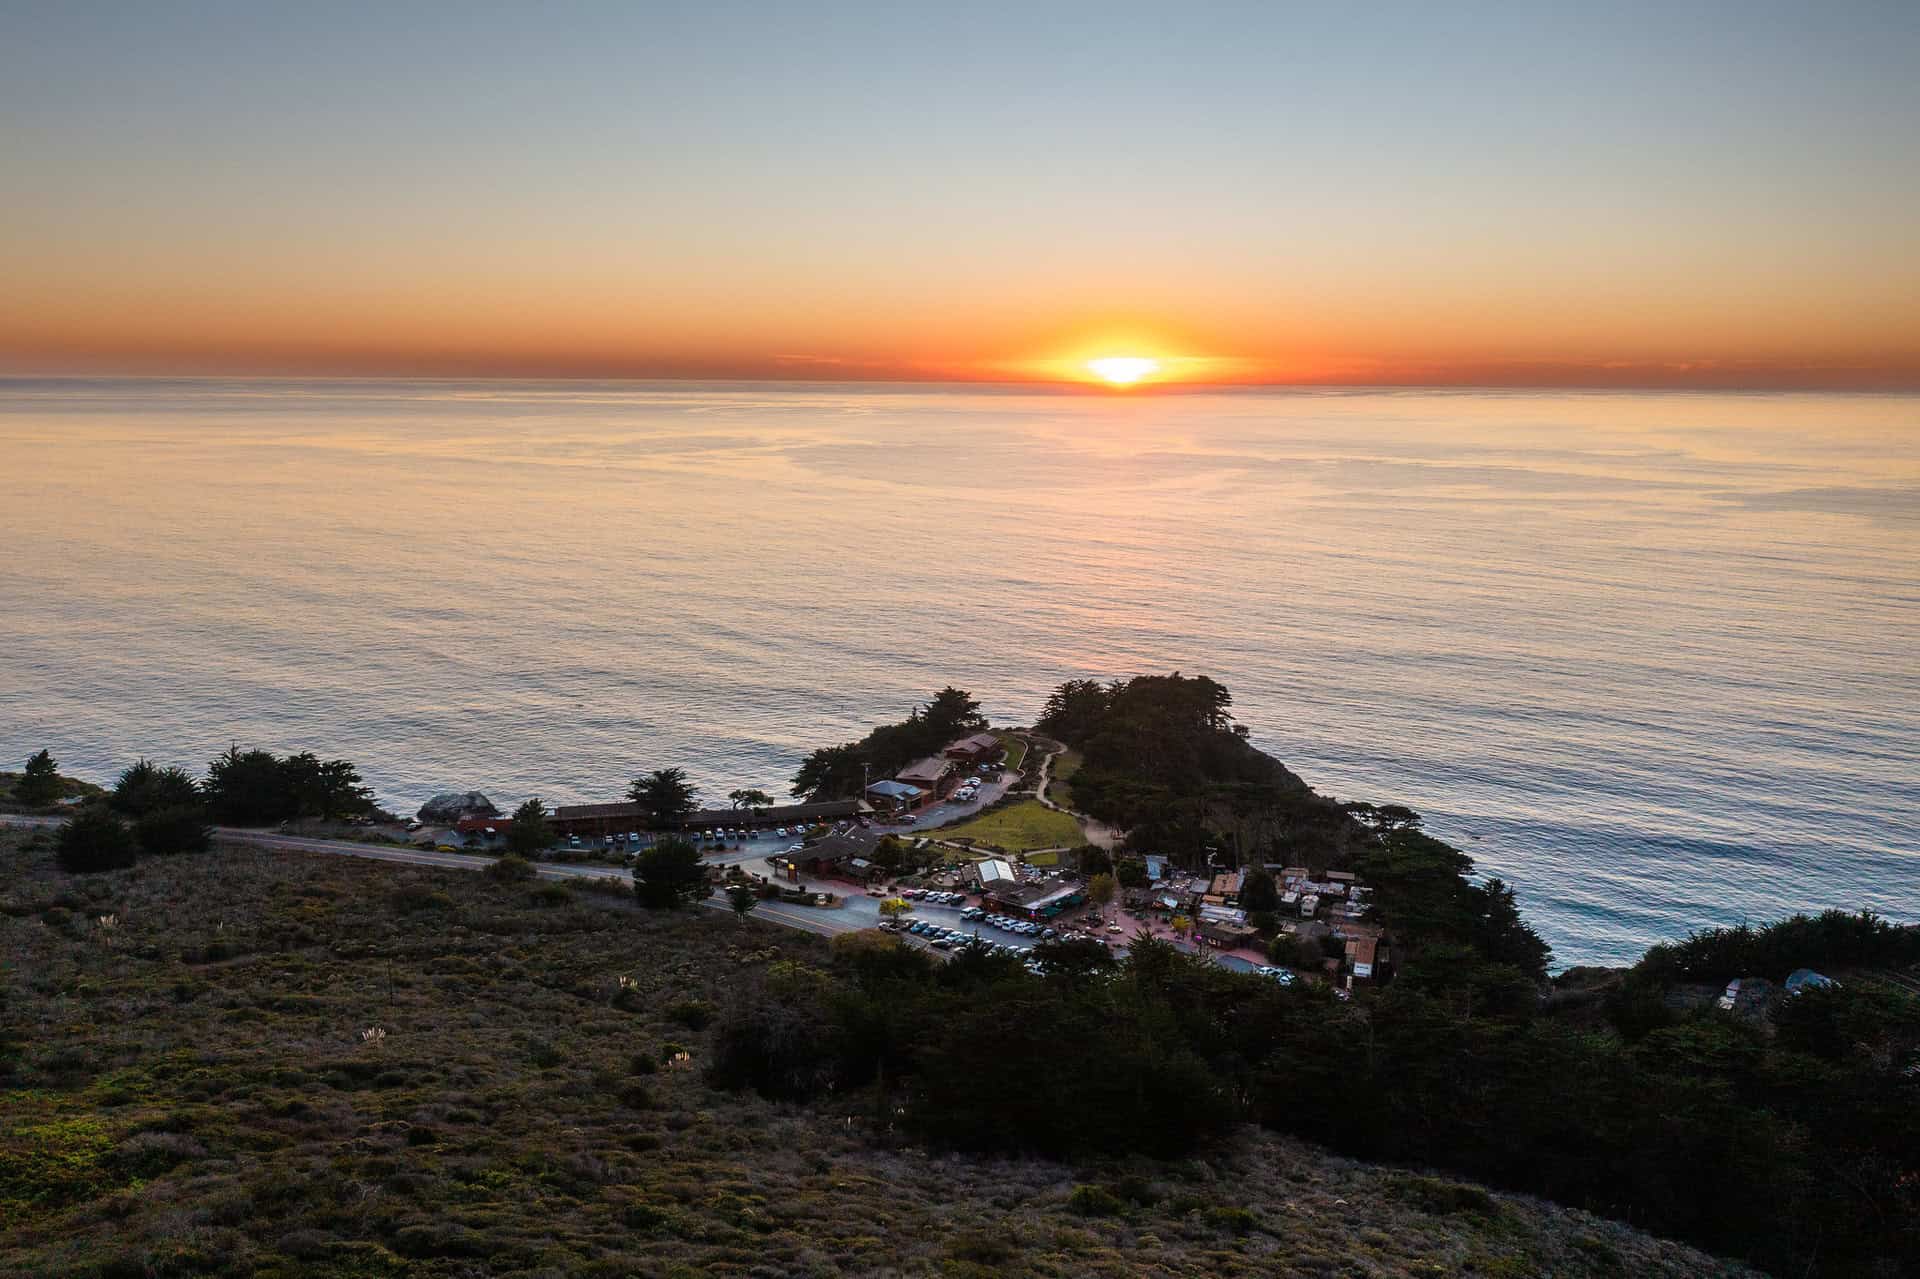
x=192, y=1090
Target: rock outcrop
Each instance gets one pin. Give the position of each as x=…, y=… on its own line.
x=453, y=805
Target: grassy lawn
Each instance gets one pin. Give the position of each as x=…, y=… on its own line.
x=1016, y=749
x=1019, y=827
x=1064, y=767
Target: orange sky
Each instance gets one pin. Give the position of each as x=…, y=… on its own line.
x=1385, y=200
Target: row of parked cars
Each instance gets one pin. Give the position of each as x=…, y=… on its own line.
x=939, y=896
x=1007, y=923
x=940, y=937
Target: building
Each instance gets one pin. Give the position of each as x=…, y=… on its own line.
x=1362, y=954
x=933, y=775
x=841, y=856
x=482, y=830
x=993, y=873
x=1228, y=935
x=977, y=749
x=613, y=819
x=1043, y=900
x=1227, y=886
x=894, y=797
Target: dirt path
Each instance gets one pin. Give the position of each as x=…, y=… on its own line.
x=1094, y=832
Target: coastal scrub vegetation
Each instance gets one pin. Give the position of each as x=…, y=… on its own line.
x=317, y=1066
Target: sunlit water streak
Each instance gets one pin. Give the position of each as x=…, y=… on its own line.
x=1650, y=657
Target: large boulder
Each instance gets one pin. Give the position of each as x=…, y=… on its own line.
x=451, y=807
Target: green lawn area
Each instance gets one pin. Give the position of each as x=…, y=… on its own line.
x=1065, y=765
x=1016, y=749
x=1019, y=827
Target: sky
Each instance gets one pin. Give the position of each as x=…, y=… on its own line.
x=1710, y=194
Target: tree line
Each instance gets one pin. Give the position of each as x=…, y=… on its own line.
x=160, y=811
x=1163, y=759
x=840, y=772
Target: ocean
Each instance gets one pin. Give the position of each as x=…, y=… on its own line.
x=1652, y=658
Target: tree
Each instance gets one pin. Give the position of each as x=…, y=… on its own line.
x=953, y=711
x=1257, y=892
x=145, y=787
x=750, y=799
x=529, y=832
x=832, y=772
x=1132, y=871
x=40, y=785
x=1101, y=890
x=889, y=854
x=669, y=874
x=742, y=900
x=894, y=907
x=665, y=796
x=94, y=839
x=180, y=828
x=1094, y=860
x=247, y=788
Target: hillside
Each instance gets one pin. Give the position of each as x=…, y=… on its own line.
x=189, y=1089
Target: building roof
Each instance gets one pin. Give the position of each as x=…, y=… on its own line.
x=978, y=744
x=854, y=846
x=1035, y=896
x=995, y=871
x=926, y=772
x=894, y=790
x=483, y=825
x=1227, y=885
x=778, y=815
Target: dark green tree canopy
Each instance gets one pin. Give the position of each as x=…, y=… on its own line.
x=530, y=831
x=257, y=788
x=669, y=874
x=39, y=786
x=145, y=787
x=838, y=772
x=94, y=839
x=178, y=828
x=665, y=796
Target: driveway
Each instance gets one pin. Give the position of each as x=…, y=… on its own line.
x=949, y=811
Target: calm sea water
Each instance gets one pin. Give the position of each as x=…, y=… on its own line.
x=1653, y=658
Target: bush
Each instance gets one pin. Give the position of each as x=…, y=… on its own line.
x=1235, y=1221
x=694, y=1014
x=409, y=899
x=94, y=840
x=177, y=829
x=1095, y=1201
x=669, y=874
x=511, y=870
x=550, y=895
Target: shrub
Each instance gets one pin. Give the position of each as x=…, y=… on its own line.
x=511, y=870
x=1235, y=1221
x=550, y=895
x=1095, y=1201
x=95, y=840
x=410, y=899
x=694, y=1014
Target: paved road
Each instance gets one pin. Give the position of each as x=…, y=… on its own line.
x=825, y=922
x=859, y=911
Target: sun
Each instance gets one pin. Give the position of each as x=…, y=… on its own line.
x=1123, y=370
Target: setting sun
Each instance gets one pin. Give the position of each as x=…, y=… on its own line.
x=1123, y=370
